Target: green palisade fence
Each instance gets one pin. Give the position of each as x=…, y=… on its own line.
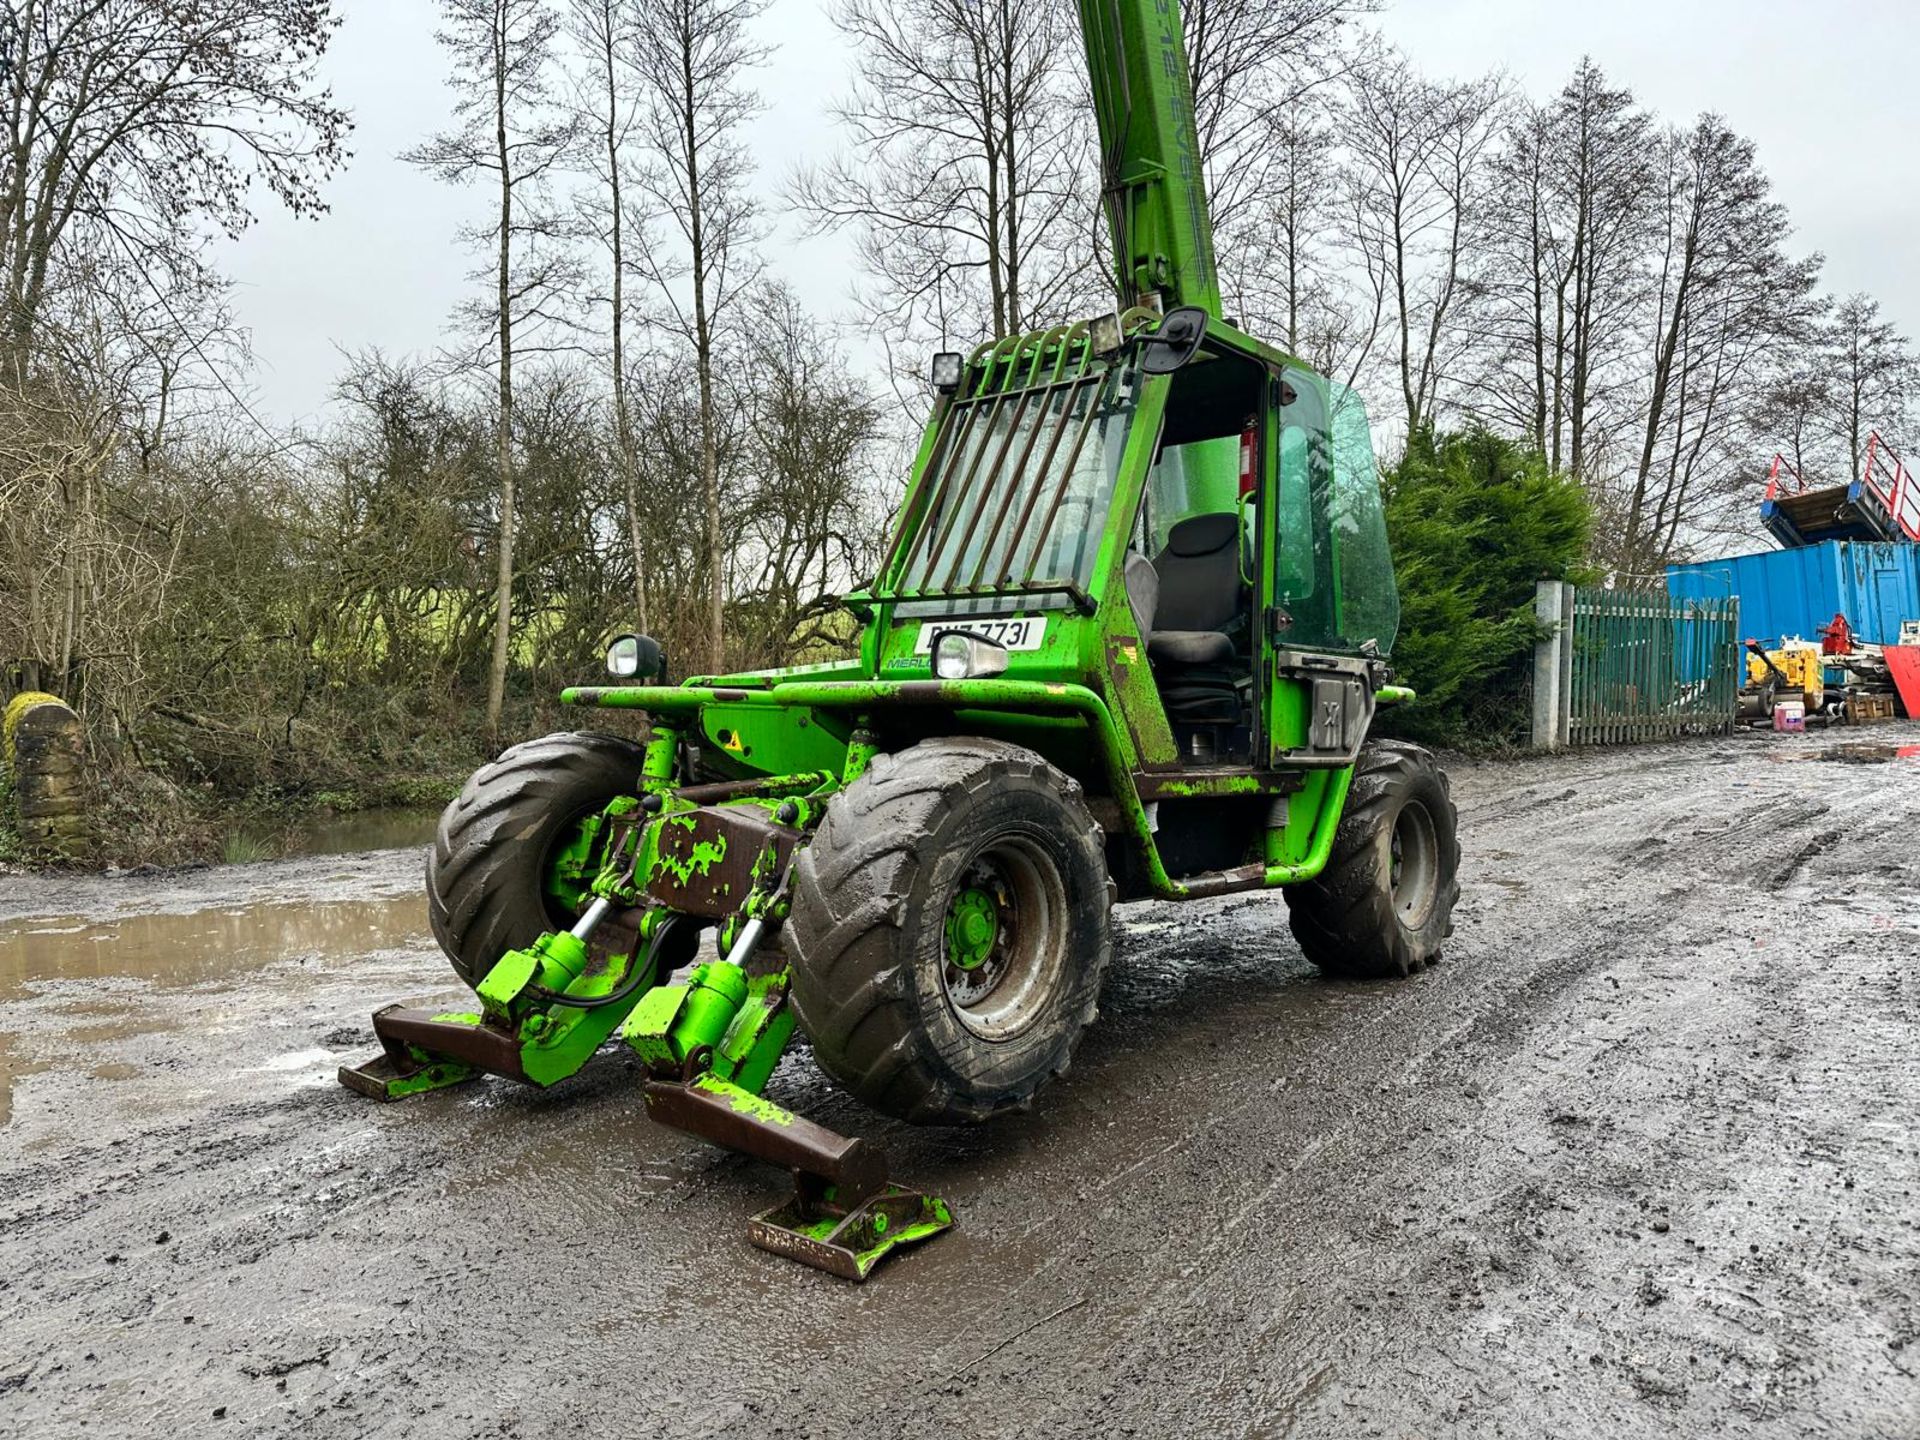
x=1648, y=667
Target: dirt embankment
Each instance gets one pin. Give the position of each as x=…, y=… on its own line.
x=1639, y=1158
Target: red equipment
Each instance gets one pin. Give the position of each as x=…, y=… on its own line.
x=1893, y=485
x=1837, y=638
x=1783, y=478
x=1904, y=662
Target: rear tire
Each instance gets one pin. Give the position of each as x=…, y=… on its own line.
x=1383, y=907
x=947, y=835
x=487, y=871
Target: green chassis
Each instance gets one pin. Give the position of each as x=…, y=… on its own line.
x=720, y=853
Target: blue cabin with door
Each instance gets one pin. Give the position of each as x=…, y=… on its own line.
x=1797, y=592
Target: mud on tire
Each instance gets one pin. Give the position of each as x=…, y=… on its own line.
x=486, y=891
x=875, y=898
x=1383, y=907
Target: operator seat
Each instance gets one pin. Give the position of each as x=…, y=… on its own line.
x=1199, y=598
x=1200, y=595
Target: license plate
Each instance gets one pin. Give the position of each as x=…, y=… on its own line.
x=1013, y=634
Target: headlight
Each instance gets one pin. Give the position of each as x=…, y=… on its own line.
x=623, y=657
x=960, y=656
x=632, y=656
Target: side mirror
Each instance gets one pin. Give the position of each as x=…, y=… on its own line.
x=1175, y=342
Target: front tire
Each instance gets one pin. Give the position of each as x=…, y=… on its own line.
x=951, y=923
x=1383, y=907
x=487, y=872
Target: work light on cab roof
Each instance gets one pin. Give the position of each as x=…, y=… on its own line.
x=947, y=370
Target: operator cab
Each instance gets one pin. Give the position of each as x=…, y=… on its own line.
x=1190, y=569
x=1259, y=536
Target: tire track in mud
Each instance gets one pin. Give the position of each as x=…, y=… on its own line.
x=1290, y=1206
x=1338, y=1145
x=1497, y=1021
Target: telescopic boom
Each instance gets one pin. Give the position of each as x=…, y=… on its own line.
x=1151, y=175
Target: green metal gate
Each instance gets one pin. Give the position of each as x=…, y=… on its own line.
x=1645, y=666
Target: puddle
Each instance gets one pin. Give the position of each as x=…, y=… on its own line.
x=347, y=834
x=172, y=950
x=295, y=1060
x=186, y=949
x=1859, y=753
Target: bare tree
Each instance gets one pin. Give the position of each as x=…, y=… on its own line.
x=56, y=442
x=1287, y=279
x=1792, y=417
x=399, y=480
x=811, y=517
x=1520, y=284
x=1871, y=374
x=131, y=134
x=695, y=55
x=508, y=133
x=969, y=176
x=609, y=101
x=1856, y=374
x=1298, y=211
x=140, y=122
x=572, y=569
x=117, y=368
x=1259, y=70
x=672, y=501
x=1727, y=300
x=1254, y=62
x=1559, y=272
x=1415, y=185
x=1606, y=187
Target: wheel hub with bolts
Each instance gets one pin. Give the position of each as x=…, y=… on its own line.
x=973, y=925
x=1004, y=937
x=979, y=932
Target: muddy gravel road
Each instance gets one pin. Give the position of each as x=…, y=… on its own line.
x=1640, y=1158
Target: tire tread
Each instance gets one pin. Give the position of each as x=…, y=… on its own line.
x=851, y=989
x=483, y=880
x=1343, y=919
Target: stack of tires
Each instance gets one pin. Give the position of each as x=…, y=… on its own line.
x=43, y=749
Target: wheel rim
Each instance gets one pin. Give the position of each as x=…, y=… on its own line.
x=1415, y=870
x=1004, y=940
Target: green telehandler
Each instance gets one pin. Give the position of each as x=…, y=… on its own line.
x=1127, y=640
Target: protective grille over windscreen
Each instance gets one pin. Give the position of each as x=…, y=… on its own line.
x=1018, y=488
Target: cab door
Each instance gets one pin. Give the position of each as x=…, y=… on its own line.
x=1318, y=703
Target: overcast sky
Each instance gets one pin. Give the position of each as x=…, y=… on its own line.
x=1820, y=86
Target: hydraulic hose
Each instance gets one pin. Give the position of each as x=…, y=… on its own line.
x=637, y=978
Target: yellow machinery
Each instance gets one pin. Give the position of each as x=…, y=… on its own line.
x=1796, y=669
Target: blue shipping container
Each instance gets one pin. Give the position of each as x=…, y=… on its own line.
x=1797, y=592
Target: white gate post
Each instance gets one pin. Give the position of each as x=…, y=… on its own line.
x=1565, y=730
x=1550, y=697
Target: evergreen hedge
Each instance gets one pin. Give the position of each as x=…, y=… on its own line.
x=1475, y=519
